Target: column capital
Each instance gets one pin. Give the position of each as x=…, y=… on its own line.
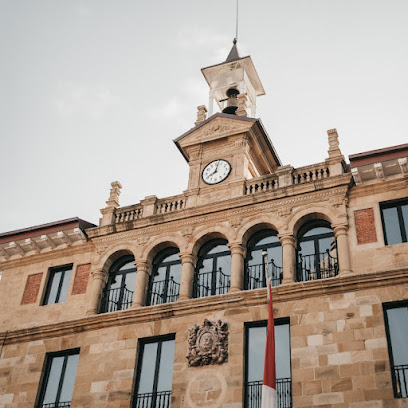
x=340, y=229
x=237, y=248
x=187, y=257
x=143, y=266
x=287, y=239
x=99, y=274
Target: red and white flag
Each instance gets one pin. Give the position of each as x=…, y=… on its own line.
x=269, y=378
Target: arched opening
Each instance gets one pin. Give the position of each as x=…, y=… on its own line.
x=164, y=283
x=316, y=252
x=119, y=289
x=212, y=276
x=255, y=270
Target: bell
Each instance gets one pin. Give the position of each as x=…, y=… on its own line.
x=231, y=102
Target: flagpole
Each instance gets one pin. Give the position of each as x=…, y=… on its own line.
x=269, y=380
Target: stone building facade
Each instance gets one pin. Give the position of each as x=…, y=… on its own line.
x=160, y=303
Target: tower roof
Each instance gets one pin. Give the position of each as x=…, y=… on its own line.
x=233, y=54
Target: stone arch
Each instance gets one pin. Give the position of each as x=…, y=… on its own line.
x=207, y=234
x=312, y=212
x=162, y=242
x=255, y=224
x=114, y=253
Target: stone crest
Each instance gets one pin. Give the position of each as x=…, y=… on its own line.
x=208, y=343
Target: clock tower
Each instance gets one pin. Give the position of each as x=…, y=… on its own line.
x=230, y=146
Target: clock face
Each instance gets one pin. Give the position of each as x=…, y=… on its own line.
x=216, y=171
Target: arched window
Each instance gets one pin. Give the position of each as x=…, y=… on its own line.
x=164, y=283
x=316, y=252
x=255, y=274
x=212, y=276
x=118, y=292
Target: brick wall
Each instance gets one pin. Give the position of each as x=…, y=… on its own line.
x=365, y=226
x=32, y=288
x=81, y=279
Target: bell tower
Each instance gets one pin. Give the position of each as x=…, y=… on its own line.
x=234, y=85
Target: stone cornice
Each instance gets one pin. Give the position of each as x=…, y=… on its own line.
x=281, y=294
x=224, y=210
x=396, y=184
x=45, y=256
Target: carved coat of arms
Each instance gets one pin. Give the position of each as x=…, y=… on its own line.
x=208, y=343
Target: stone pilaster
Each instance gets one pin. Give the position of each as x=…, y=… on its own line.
x=188, y=262
x=238, y=252
x=343, y=249
x=288, y=242
x=99, y=279
x=142, y=278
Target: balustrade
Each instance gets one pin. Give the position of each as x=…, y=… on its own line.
x=261, y=185
x=66, y=404
x=170, y=204
x=161, y=399
x=253, y=393
x=317, y=266
x=308, y=174
x=128, y=214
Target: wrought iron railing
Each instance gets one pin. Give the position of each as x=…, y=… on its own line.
x=160, y=399
x=400, y=373
x=317, y=266
x=211, y=283
x=255, y=276
x=116, y=299
x=65, y=404
x=164, y=291
x=253, y=393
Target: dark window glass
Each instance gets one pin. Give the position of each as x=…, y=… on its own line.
x=118, y=292
x=164, y=283
x=255, y=357
x=255, y=274
x=58, y=283
x=396, y=323
x=59, y=379
x=154, y=373
x=213, y=269
x=316, y=252
x=395, y=222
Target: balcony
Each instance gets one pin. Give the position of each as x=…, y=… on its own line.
x=255, y=276
x=211, y=283
x=116, y=299
x=253, y=393
x=317, y=266
x=400, y=374
x=164, y=291
x=161, y=399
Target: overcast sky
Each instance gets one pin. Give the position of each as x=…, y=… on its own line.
x=96, y=91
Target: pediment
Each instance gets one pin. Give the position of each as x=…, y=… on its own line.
x=216, y=127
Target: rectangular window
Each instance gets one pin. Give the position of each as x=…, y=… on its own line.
x=154, y=373
x=255, y=357
x=58, y=380
x=396, y=324
x=394, y=217
x=58, y=283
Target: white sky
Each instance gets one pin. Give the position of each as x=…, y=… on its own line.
x=95, y=91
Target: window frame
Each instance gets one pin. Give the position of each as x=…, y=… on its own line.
x=139, y=362
x=157, y=263
x=401, y=223
x=262, y=323
x=387, y=306
x=47, y=371
x=50, y=279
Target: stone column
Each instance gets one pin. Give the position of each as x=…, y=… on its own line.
x=99, y=279
x=238, y=252
x=288, y=242
x=142, y=279
x=343, y=250
x=188, y=262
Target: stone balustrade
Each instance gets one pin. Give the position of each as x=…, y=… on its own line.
x=170, y=204
x=262, y=184
x=310, y=173
x=129, y=213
